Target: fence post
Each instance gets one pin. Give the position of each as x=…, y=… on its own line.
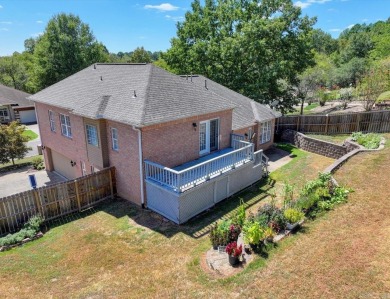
x=358, y=123
x=38, y=203
x=298, y=122
x=326, y=124
x=111, y=186
x=76, y=182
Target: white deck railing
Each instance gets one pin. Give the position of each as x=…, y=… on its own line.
x=185, y=179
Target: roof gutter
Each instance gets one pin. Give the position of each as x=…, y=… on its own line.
x=141, y=169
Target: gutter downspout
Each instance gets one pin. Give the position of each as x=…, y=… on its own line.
x=141, y=170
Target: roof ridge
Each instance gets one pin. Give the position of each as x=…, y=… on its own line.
x=143, y=108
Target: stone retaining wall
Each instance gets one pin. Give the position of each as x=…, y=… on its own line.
x=320, y=147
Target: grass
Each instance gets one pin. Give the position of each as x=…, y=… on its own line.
x=306, y=110
x=30, y=134
x=311, y=106
x=18, y=163
x=385, y=96
x=338, y=139
x=119, y=250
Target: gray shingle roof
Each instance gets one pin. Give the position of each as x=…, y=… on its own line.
x=135, y=94
x=9, y=96
x=247, y=111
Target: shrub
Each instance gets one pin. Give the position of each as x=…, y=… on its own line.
x=29, y=230
x=37, y=163
x=369, y=141
x=293, y=215
x=253, y=232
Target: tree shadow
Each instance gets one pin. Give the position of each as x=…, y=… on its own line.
x=196, y=227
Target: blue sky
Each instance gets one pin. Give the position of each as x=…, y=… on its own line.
x=123, y=25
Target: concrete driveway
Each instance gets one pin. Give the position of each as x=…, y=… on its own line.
x=17, y=180
x=33, y=143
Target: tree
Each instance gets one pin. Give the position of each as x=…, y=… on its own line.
x=29, y=45
x=372, y=85
x=253, y=47
x=66, y=46
x=140, y=55
x=13, y=72
x=13, y=145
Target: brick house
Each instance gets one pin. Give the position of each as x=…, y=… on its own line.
x=172, y=139
x=15, y=106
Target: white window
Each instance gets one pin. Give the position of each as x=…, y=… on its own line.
x=3, y=112
x=114, y=139
x=51, y=120
x=208, y=136
x=66, y=130
x=92, y=136
x=266, y=129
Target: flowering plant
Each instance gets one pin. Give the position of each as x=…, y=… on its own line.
x=234, y=231
x=233, y=250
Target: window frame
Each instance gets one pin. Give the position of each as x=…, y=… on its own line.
x=66, y=127
x=114, y=140
x=266, y=131
x=94, y=138
x=52, y=122
x=4, y=112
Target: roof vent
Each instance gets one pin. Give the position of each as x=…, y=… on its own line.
x=94, y=66
x=134, y=95
x=191, y=77
x=205, y=84
x=101, y=78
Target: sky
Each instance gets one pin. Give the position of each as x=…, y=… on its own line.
x=123, y=25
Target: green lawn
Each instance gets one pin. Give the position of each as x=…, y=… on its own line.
x=18, y=163
x=119, y=250
x=384, y=96
x=30, y=134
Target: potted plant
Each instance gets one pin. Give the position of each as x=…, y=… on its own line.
x=293, y=216
x=234, y=252
x=234, y=232
x=253, y=234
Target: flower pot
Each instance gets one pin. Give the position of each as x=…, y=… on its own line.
x=292, y=226
x=233, y=260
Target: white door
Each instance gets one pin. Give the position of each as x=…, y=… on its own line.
x=204, y=136
x=208, y=136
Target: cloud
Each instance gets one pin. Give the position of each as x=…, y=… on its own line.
x=1, y=7
x=6, y=22
x=302, y=5
x=4, y=29
x=39, y=22
x=335, y=30
x=350, y=26
x=365, y=20
x=35, y=35
x=162, y=7
x=175, y=19
x=309, y=2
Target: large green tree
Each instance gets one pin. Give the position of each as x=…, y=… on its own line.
x=254, y=47
x=66, y=46
x=13, y=143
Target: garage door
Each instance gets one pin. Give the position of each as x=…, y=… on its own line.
x=27, y=116
x=62, y=165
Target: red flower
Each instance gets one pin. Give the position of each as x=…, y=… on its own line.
x=233, y=250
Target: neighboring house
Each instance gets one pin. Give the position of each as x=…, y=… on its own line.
x=14, y=105
x=178, y=146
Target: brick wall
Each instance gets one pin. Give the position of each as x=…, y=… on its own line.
x=126, y=161
x=175, y=143
x=73, y=148
x=320, y=147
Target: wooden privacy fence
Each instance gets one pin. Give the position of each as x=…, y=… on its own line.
x=56, y=200
x=342, y=123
